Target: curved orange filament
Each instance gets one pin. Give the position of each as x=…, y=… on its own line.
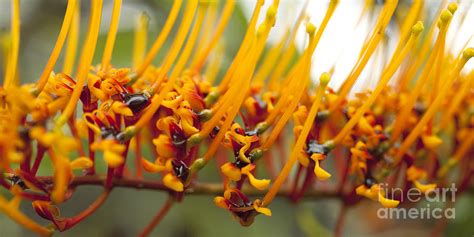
x=435, y=105
x=161, y=38
x=243, y=47
x=68, y=17
x=224, y=19
x=458, y=155
x=271, y=58
x=299, y=143
x=208, y=26
x=140, y=39
x=466, y=144
x=403, y=115
x=293, y=102
x=314, y=40
x=289, y=51
x=409, y=21
x=297, y=92
x=72, y=41
x=286, y=95
x=377, y=35
x=386, y=76
x=111, y=36
x=12, y=63
x=84, y=64
x=227, y=98
x=420, y=54
x=245, y=71
x=177, y=44
x=461, y=93
x=170, y=57
x=215, y=64
x=12, y=212
x=188, y=48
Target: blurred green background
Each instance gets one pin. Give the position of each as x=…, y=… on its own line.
x=127, y=211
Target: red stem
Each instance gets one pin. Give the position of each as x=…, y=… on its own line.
x=345, y=173
x=308, y=181
x=296, y=181
x=270, y=165
x=89, y=107
x=91, y=137
x=34, y=196
x=72, y=125
x=121, y=168
x=159, y=216
x=39, y=157
x=441, y=223
x=5, y=184
x=138, y=157
x=110, y=176
x=340, y=221
x=70, y=222
x=25, y=164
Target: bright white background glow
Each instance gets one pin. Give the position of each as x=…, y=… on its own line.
x=343, y=38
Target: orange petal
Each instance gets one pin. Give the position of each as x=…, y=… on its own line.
x=164, y=146
x=113, y=159
x=121, y=108
x=362, y=190
x=259, y=184
x=432, y=142
x=173, y=183
x=424, y=188
x=388, y=203
x=231, y=172
x=15, y=157
x=220, y=202
x=264, y=210
x=365, y=126
x=81, y=163
x=151, y=167
x=321, y=173
x=303, y=159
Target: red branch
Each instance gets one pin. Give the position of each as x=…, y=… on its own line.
x=193, y=189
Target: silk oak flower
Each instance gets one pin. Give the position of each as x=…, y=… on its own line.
x=411, y=120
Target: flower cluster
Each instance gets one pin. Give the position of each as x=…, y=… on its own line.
x=417, y=131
